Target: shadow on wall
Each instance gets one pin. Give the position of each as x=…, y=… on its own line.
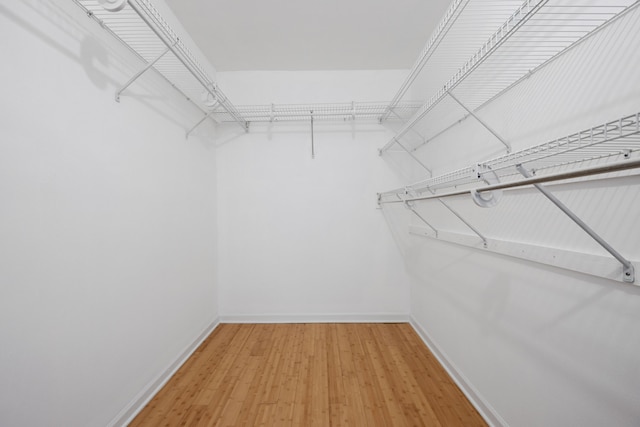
x=487, y=305
x=105, y=61
x=404, y=166
x=397, y=218
x=402, y=159
x=92, y=53
x=578, y=328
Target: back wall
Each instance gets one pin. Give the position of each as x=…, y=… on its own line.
x=302, y=238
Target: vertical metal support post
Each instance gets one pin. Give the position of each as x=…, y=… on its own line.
x=471, y=227
x=486, y=126
x=628, y=271
x=139, y=73
x=313, y=150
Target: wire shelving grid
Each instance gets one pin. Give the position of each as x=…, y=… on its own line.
x=615, y=140
x=346, y=111
x=463, y=28
x=537, y=32
x=150, y=39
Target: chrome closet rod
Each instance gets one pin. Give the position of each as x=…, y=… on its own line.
x=596, y=170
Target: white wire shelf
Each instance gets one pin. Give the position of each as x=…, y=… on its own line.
x=328, y=112
x=607, y=143
x=141, y=27
x=536, y=33
x=464, y=26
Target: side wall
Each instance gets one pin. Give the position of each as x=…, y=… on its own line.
x=539, y=345
x=301, y=239
x=107, y=223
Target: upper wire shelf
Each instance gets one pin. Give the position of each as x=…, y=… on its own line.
x=141, y=27
x=615, y=140
x=464, y=26
x=536, y=33
x=336, y=111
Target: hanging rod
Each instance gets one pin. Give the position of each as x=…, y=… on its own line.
x=595, y=170
x=606, y=142
x=139, y=25
x=628, y=271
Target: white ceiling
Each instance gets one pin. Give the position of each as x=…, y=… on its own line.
x=310, y=35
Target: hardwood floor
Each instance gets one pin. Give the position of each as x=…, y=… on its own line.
x=310, y=375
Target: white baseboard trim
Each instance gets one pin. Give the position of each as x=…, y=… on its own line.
x=316, y=318
x=484, y=408
x=129, y=412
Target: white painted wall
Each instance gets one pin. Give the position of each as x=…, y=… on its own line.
x=301, y=238
x=107, y=222
x=109, y=243
x=539, y=345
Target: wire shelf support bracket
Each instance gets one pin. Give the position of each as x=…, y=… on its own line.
x=467, y=223
x=479, y=120
x=411, y=207
x=206, y=116
x=139, y=73
x=628, y=271
x=425, y=167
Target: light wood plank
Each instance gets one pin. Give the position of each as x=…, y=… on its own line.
x=312, y=375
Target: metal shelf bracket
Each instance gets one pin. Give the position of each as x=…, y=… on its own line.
x=411, y=206
x=412, y=156
x=487, y=199
x=628, y=271
x=471, y=227
x=141, y=72
x=206, y=116
x=479, y=120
